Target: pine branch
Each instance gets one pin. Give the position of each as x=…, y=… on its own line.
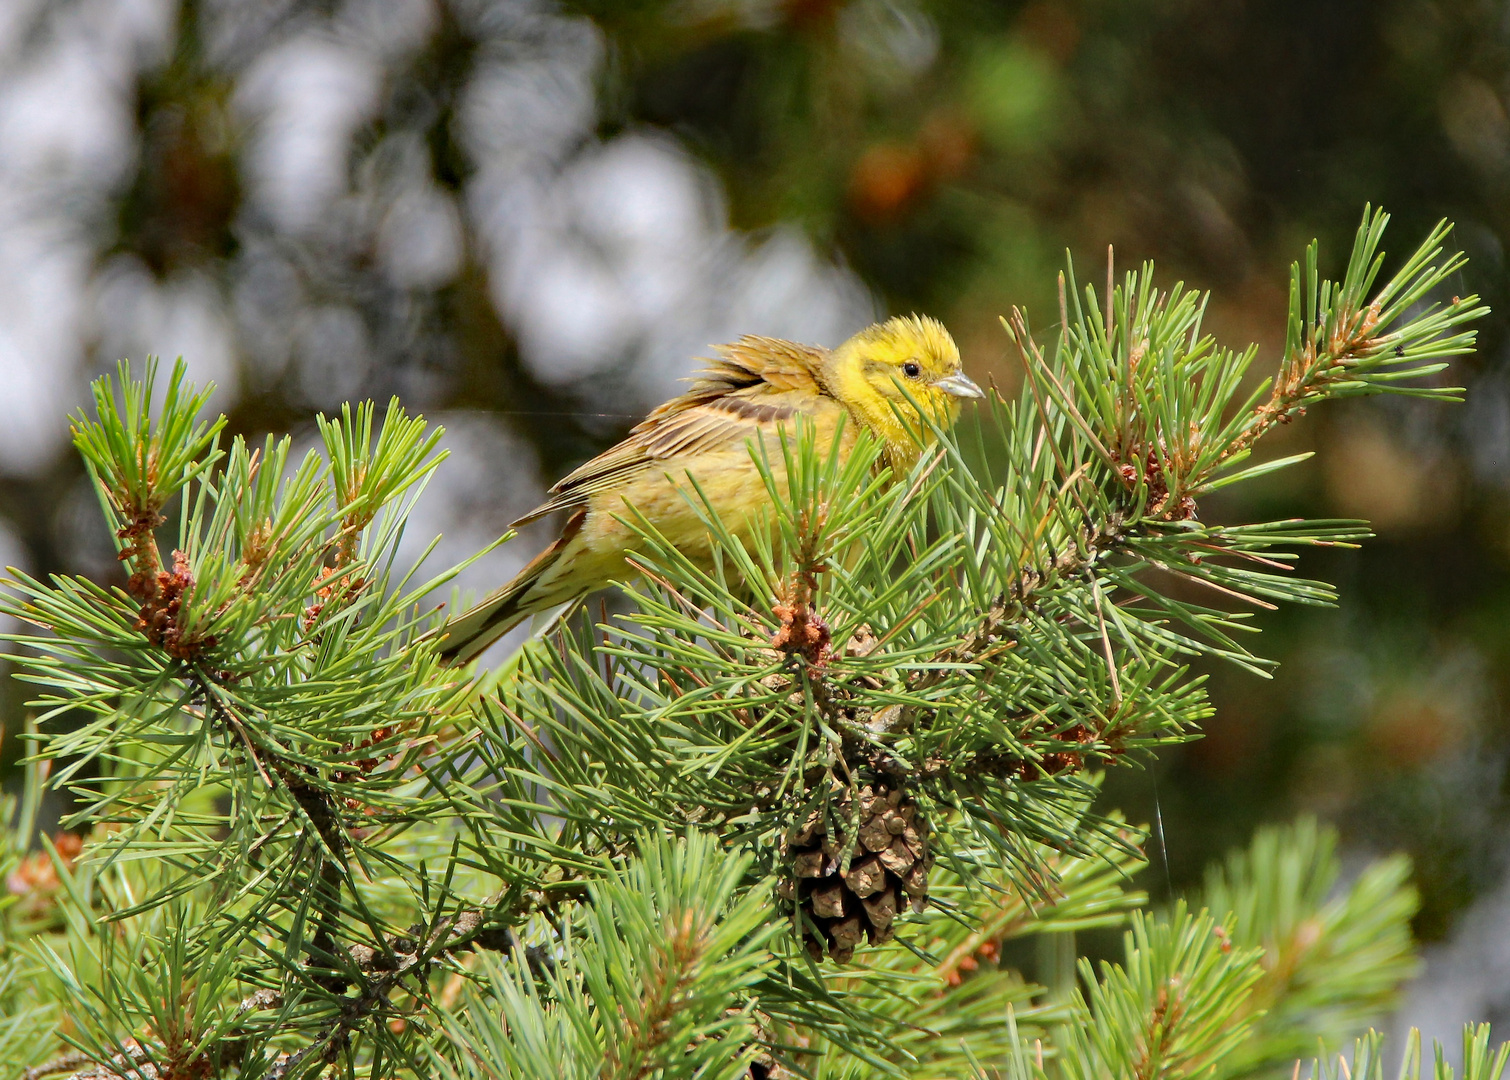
x=1174, y=1010
x=650, y=985
x=1480, y=1061
x=876, y=727
x=385, y=970
x=1334, y=960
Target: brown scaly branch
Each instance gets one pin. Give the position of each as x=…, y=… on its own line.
x=60, y=1064
x=162, y=595
x=352, y=523
x=140, y=551
x=159, y=592
x=1305, y=373
x=132, y=1065
x=802, y=631
x=1325, y=357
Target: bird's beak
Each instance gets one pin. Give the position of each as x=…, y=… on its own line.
x=960, y=385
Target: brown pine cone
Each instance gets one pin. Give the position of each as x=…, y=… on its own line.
x=888, y=867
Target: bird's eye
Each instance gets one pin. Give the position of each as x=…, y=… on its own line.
x=911, y=370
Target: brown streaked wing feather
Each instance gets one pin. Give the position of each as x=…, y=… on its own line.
x=682, y=434
x=722, y=407
x=785, y=365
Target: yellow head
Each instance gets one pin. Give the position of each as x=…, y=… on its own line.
x=886, y=372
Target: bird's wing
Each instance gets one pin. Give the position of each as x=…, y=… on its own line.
x=784, y=365
x=753, y=382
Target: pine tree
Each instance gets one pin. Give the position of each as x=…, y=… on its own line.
x=790, y=817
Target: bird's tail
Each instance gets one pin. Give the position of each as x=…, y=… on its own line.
x=470, y=633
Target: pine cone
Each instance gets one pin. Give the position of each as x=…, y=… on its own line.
x=888, y=866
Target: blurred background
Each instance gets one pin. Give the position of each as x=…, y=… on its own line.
x=527, y=218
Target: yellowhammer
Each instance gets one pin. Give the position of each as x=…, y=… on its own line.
x=749, y=393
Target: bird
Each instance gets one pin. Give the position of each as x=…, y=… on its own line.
x=754, y=389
